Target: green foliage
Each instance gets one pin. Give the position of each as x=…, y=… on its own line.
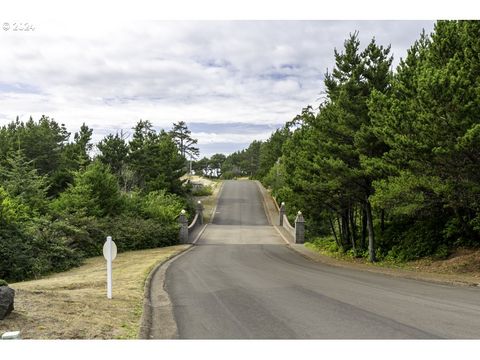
x=20, y=180
x=94, y=192
x=271, y=151
x=162, y=207
x=12, y=210
x=216, y=161
x=275, y=179
x=57, y=206
x=243, y=163
x=3, y=283
x=325, y=244
x=390, y=158
x=114, y=152
x=30, y=249
x=204, y=190
x=406, y=194
x=229, y=175
x=181, y=135
x=130, y=233
x=43, y=143
x=155, y=160
x=430, y=122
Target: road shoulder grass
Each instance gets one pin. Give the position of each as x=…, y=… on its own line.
x=73, y=304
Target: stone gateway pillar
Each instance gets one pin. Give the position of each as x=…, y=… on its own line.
x=199, y=210
x=282, y=213
x=182, y=219
x=299, y=229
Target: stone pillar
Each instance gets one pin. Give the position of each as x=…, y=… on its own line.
x=199, y=210
x=299, y=229
x=282, y=213
x=182, y=219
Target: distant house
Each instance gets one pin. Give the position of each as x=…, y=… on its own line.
x=212, y=172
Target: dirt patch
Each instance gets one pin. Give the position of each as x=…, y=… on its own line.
x=462, y=261
x=73, y=304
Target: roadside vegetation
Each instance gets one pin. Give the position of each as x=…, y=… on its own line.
x=205, y=190
x=388, y=167
x=58, y=202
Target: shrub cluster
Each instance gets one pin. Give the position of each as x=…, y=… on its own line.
x=57, y=204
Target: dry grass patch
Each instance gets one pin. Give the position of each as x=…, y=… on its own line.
x=74, y=304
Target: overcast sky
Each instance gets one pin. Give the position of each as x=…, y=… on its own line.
x=232, y=82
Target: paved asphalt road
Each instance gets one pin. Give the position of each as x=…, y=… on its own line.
x=242, y=282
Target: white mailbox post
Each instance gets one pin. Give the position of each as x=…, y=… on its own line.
x=110, y=253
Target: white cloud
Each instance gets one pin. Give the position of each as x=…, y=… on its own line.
x=111, y=74
x=232, y=138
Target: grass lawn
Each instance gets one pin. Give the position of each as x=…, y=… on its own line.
x=74, y=304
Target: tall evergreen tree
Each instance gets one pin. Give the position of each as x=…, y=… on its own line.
x=155, y=159
x=21, y=180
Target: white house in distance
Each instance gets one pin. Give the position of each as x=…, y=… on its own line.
x=212, y=172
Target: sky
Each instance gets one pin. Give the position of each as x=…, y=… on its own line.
x=232, y=82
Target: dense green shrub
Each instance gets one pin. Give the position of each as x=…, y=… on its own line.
x=162, y=206
x=3, y=283
x=412, y=239
x=205, y=190
x=229, y=175
x=95, y=192
x=29, y=253
x=137, y=233
x=41, y=234
x=88, y=234
x=85, y=234
x=326, y=243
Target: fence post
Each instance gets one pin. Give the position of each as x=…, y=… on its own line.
x=299, y=229
x=282, y=213
x=182, y=219
x=199, y=210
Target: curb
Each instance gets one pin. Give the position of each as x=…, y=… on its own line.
x=264, y=203
x=161, y=304
x=277, y=228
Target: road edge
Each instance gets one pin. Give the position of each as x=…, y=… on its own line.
x=268, y=213
x=216, y=202
x=161, y=304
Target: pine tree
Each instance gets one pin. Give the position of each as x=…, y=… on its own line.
x=22, y=181
x=183, y=138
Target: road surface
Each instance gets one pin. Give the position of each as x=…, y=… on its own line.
x=241, y=281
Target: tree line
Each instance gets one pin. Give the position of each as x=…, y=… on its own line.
x=58, y=202
x=388, y=166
